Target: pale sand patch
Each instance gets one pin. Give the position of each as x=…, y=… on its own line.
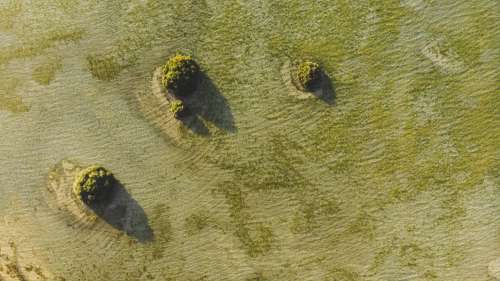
x=494, y=268
x=446, y=59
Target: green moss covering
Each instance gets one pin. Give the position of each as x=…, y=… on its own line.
x=103, y=67
x=308, y=75
x=180, y=74
x=177, y=108
x=93, y=184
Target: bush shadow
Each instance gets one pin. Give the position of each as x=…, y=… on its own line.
x=195, y=124
x=124, y=213
x=209, y=104
x=326, y=89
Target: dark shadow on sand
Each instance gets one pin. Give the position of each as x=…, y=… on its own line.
x=209, y=104
x=194, y=123
x=327, y=86
x=123, y=212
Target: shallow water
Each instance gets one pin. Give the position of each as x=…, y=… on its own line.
x=395, y=179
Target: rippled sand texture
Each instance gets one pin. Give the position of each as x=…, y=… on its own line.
x=15, y=268
x=155, y=107
x=393, y=177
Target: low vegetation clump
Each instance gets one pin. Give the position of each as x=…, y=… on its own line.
x=177, y=108
x=93, y=184
x=180, y=74
x=308, y=75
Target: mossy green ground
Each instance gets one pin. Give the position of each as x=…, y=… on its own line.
x=397, y=179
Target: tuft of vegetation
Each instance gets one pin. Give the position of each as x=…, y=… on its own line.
x=93, y=184
x=177, y=108
x=308, y=75
x=180, y=74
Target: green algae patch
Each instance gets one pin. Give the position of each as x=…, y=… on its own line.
x=12, y=103
x=39, y=44
x=105, y=68
x=8, y=13
x=315, y=211
x=256, y=239
x=93, y=184
x=195, y=223
x=9, y=100
x=44, y=74
x=343, y=274
x=180, y=74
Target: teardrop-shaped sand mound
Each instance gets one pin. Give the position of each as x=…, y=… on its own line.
x=155, y=106
x=119, y=210
x=60, y=181
x=324, y=91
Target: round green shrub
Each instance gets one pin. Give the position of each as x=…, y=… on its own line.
x=180, y=74
x=93, y=184
x=308, y=75
x=177, y=108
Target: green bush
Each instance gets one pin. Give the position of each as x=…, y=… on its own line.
x=180, y=74
x=177, y=108
x=308, y=75
x=93, y=184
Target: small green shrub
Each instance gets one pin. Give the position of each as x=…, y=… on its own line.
x=177, y=107
x=308, y=75
x=93, y=184
x=180, y=74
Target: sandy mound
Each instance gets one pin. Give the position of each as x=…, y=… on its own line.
x=324, y=91
x=121, y=211
x=60, y=182
x=155, y=106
